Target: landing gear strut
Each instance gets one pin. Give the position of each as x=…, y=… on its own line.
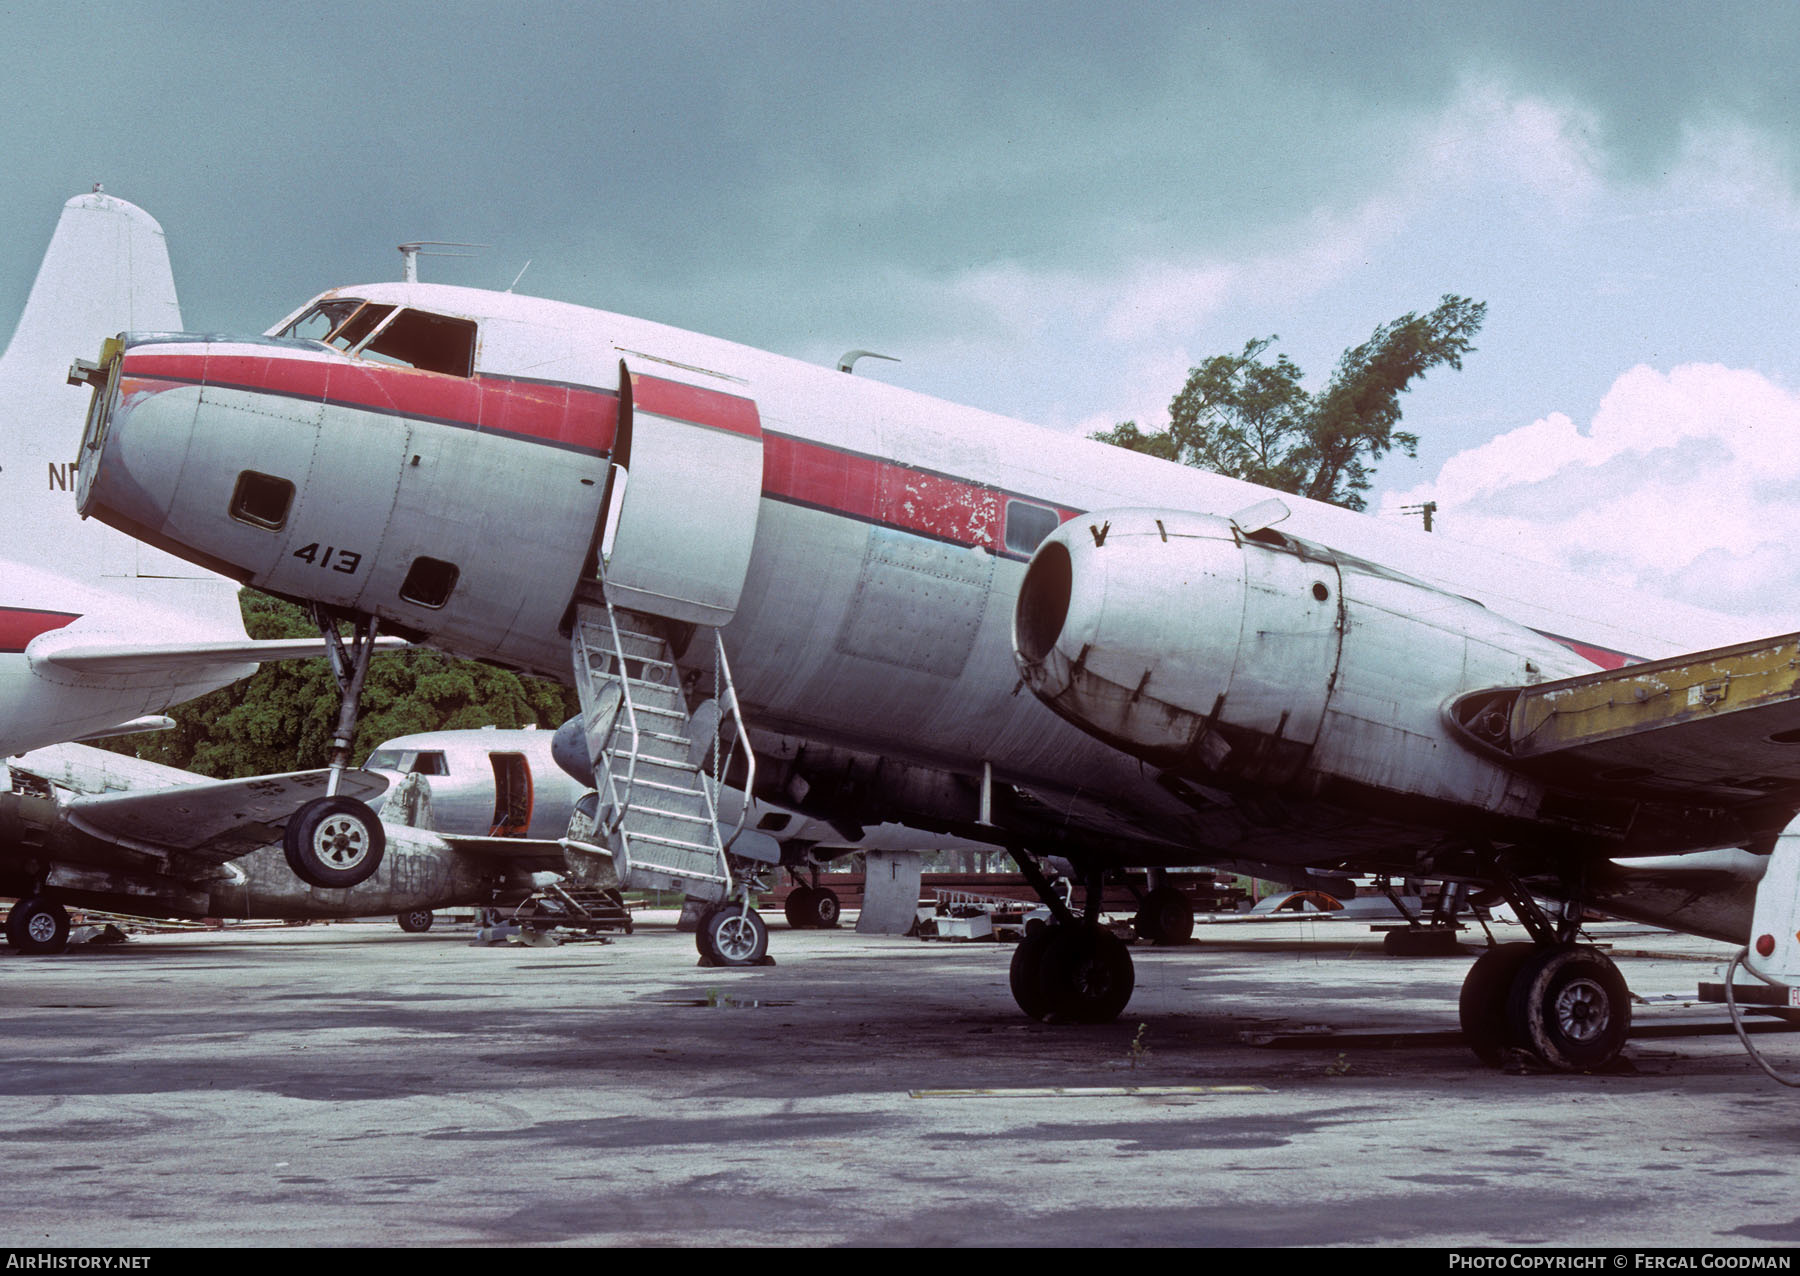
x=337, y=841
x=1075, y=970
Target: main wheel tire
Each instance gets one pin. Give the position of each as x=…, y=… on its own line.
x=1084, y=975
x=798, y=908
x=37, y=926
x=1026, y=973
x=730, y=936
x=1166, y=917
x=334, y=842
x=1570, y=1007
x=825, y=909
x=416, y=921
x=1482, y=1006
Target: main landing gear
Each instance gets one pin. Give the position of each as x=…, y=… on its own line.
x=1165, y=916
x=1563, y=1004
x=337, y=841
x=1075, y=970
x=810, y=906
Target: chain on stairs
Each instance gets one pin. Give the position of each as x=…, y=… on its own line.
x=656, y=768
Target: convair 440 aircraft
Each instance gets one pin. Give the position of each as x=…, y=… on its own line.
x=1215, y=675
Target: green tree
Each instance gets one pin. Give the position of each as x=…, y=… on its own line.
x=1242, y=415
x=281, y=718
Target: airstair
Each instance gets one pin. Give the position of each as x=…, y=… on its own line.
x=658, y=767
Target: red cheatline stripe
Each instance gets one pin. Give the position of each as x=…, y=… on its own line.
x=569, y=416
x=19, y=625
x=1604, y=657
x=886, y=492
x=712, y=408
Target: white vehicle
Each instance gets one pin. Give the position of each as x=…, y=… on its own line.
x=1218, y=675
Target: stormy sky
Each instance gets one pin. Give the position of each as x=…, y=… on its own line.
x=1048, y=210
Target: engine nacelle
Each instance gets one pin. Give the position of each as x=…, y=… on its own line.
x=1257, y=659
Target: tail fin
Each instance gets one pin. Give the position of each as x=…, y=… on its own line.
x=106, y=271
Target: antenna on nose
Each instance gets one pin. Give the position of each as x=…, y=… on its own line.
x=410, y=254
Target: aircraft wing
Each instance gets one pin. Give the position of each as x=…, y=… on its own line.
x=528, y=853
x=214, y=821
x=1719, y=727
x=151, y=658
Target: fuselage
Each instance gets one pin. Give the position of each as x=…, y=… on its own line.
x=463, y=500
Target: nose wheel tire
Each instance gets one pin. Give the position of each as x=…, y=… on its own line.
x=416, y=922
x=1072, y=974
x=730, y=936
x=37, y=926
x=334, y=842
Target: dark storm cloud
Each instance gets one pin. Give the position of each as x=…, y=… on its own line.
x=749, y=168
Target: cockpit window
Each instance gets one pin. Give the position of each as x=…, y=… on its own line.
x=431, y=343
x=404, y=338
x=322, y=320
x=408, y=761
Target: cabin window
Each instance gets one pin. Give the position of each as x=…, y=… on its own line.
x=262, y=500
x=429, y=582
x=1028, y=524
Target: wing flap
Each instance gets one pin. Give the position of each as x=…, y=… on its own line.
x=214, y=821
x=1722, y=725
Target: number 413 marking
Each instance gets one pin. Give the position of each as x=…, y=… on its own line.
x=347, y=560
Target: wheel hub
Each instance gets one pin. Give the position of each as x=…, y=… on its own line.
x=735, y=938
x=341, y=842
x=41, y=928
x=1581, y=1010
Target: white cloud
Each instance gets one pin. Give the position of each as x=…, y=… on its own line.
x=1685, y=484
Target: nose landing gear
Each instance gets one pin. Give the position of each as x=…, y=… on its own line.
x=335, y=842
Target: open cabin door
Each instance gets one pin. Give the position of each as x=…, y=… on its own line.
x=682, y=500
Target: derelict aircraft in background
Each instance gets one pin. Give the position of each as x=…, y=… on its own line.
x=1217, y=675
x=99, y=632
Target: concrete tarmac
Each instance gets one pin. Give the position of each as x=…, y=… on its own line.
x=354, y=1085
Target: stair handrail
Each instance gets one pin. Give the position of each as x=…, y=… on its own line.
x=725, y=691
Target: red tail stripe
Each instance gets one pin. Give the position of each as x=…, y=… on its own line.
x=19, y=625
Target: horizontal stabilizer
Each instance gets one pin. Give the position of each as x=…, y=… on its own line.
x=1722, y=726
x=215, y=821
x=151, y=658
x=137, y=726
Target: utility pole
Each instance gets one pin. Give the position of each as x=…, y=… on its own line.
x=1425, y=511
